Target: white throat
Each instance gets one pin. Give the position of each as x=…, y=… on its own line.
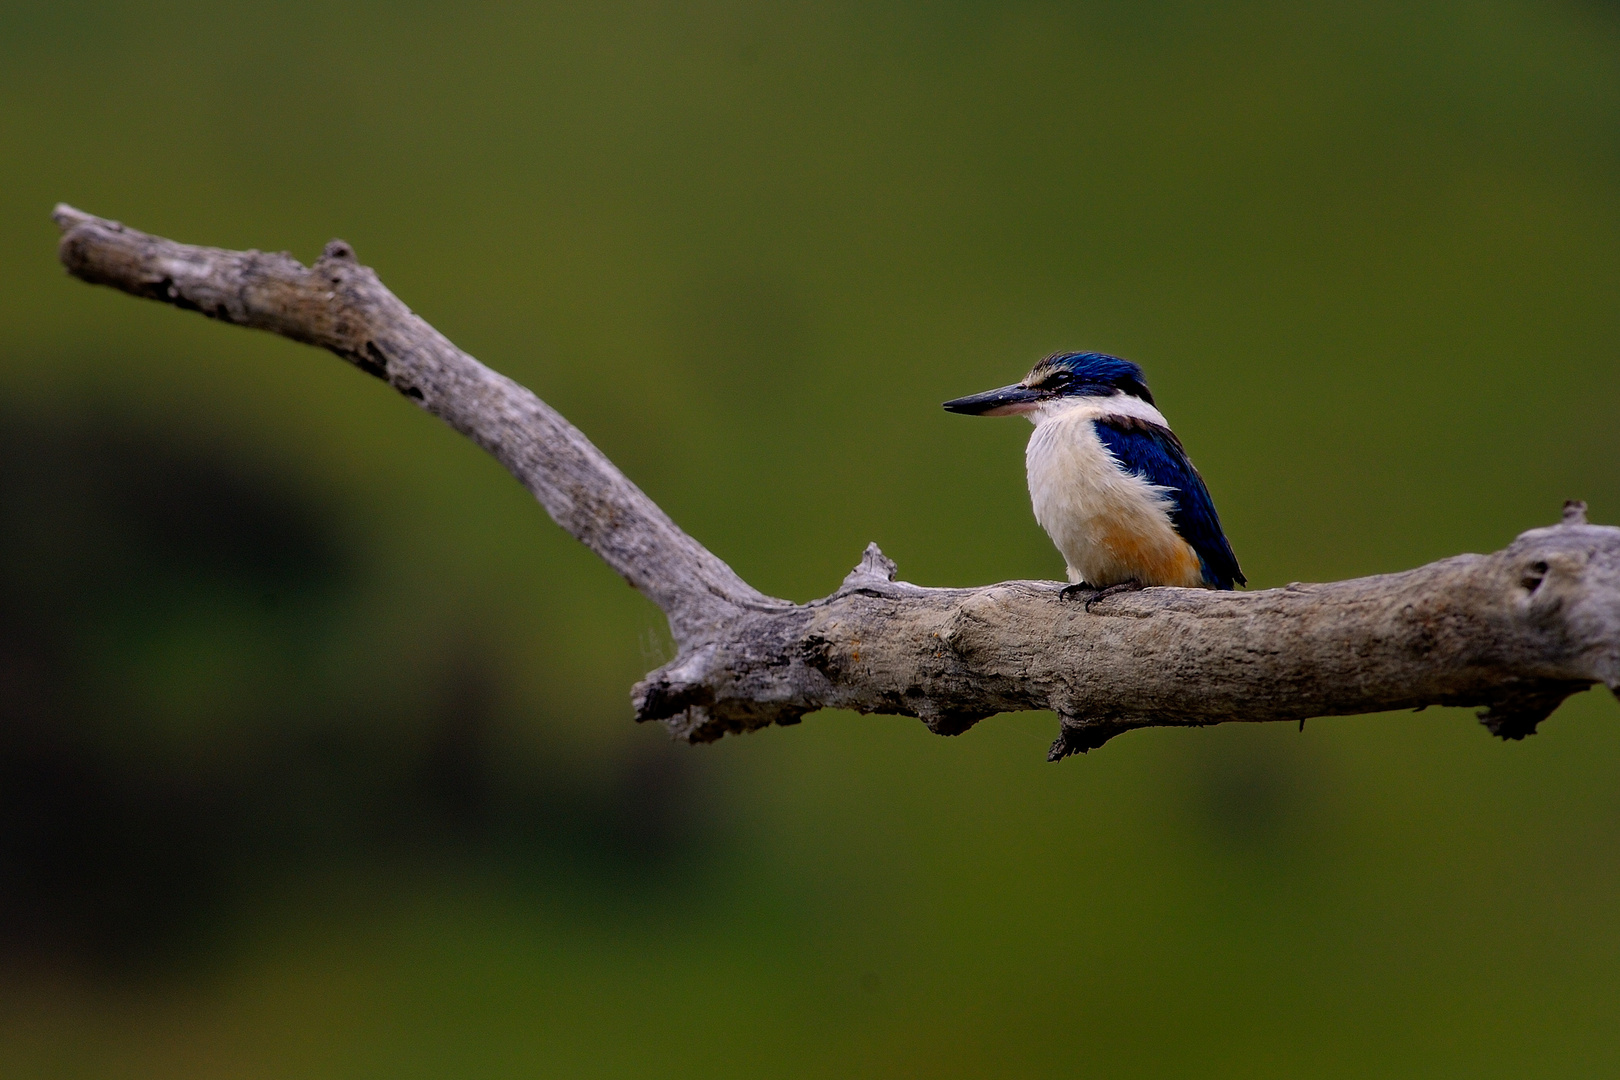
x=1066, y=408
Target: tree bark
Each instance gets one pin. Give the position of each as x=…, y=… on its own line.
x=1514, y=632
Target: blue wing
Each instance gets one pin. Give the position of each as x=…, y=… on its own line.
x=1155, y=454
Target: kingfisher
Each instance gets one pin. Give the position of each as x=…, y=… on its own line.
x=1109, y=480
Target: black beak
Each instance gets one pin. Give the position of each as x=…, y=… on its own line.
x=1007, y=401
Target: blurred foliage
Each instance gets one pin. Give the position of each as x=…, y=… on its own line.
x=316, y=755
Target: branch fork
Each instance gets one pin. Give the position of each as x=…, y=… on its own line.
x=1513, y=633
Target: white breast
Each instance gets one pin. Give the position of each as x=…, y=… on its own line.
x=1110, y=525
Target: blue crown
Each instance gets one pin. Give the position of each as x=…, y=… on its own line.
x=1089, y=374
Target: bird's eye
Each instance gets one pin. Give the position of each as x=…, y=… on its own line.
x=1057, y=380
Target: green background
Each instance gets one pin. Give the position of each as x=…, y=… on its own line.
x=318, y=756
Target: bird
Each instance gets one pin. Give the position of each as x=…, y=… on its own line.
x=1109, y=481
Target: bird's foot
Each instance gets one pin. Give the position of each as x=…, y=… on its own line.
x=1114, y=590
x=1071, y=592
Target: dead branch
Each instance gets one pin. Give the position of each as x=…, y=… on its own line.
x=1514, y=632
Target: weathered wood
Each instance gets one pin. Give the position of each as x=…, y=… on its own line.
x=1514, y=633
x=340, y=305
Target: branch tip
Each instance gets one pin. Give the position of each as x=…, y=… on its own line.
x=66, y=217
x=1574, y=512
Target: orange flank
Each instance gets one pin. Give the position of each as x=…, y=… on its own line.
x=1160, y=560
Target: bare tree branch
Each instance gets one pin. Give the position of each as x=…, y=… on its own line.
x=340, y=305
x=1515, y=632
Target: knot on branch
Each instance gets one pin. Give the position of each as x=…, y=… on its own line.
x=875, y=568
x=676, y=687
x=1077, y=736
x=660, y=698
x=1519, y=712
x=1574, y=512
